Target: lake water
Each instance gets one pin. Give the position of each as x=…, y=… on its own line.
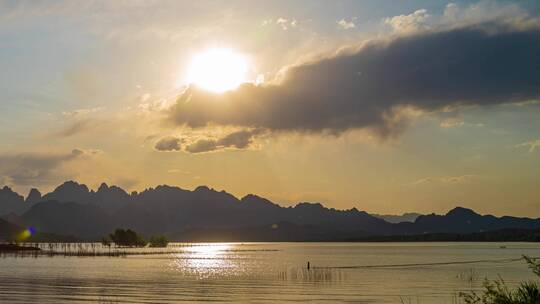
x=268, y=273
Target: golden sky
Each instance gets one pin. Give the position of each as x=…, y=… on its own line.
x=417, y=106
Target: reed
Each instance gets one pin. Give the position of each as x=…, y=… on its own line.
x=83, y=250
x=321, y=274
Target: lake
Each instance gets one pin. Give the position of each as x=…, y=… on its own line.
x=268, y=273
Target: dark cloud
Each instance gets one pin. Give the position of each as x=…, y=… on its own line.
x=202, y=145
x=483, y=64
x=169, y=143
x=37, y=168
x=239, y=140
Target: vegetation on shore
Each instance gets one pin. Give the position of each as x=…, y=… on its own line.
x=158, y=241
x=130, y=238
x=497, y=292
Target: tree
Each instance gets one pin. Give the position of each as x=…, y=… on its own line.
x=127, y=238
x=159, y=241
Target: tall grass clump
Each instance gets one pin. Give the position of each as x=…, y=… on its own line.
x=497, y=292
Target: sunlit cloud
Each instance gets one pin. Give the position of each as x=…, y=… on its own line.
x=531, y=145
x=346, y=25
x=242, y=139
x=408, y=23
x=446, y=179
x=350, y=90
x=82, y=112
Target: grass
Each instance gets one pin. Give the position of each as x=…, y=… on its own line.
x=497, y=292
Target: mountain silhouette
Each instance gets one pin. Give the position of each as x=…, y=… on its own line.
x=463, y=220
x=33, y=197
x=11, y=202
x=405, y=217
x=208, y=214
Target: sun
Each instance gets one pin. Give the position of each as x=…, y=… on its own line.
x=218, y=70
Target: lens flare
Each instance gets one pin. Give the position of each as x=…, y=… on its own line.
x=27, y=233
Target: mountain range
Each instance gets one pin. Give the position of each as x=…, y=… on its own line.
x=405, y=217
x=206, y=214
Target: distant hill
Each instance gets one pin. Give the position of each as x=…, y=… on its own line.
x=207, y=214
x=463, y=220
x=502, y=235
x=405, y=217
x=10, y=232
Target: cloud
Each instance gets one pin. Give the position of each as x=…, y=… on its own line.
x=285, y=24
x=483, y=11
x=446, y=179
x=379, y=85
x=532, y=145
x=77, y=127
x=346, y=25
x=202, y=145
x=174, y=171
x=82, y=112
x=452, y=122
x=239, y=140
x=169, y=143
x=458, y=122
x=32, y=169
x=408, y=23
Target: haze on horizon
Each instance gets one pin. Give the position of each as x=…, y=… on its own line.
x=387, y=107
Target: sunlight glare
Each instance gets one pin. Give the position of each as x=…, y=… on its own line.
x=218, y=70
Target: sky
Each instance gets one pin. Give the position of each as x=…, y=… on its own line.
x=385, y=106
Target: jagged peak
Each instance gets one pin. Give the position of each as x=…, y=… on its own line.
x=34, y=191
x=103, y=187
x=8, y=191
x=72, y=185
x=33, y=195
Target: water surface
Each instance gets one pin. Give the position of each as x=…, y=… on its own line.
x=267, y=273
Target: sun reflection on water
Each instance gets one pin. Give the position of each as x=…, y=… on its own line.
x=206, y=261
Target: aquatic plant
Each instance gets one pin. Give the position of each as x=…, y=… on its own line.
x=497, y=292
